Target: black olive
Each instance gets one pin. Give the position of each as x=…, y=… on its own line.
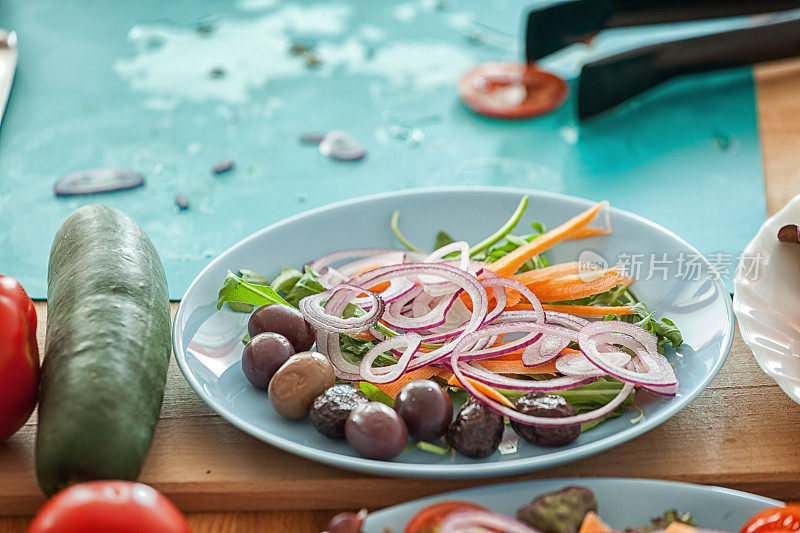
x=426, y=409
x=285, y=320
x=376, y=431
x=263, y=356
x=476, y=431
x=330, y=409
x=550, y=406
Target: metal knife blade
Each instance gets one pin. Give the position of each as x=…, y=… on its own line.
x=8, y=66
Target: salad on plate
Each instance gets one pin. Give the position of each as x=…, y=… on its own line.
x=379, y=345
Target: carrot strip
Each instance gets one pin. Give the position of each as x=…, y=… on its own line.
x=516, y=367
x=547, y=273
x=588, y=232
x=510, y=263
x=573, y=288
x=588, y=310
x=593, y=524
x=485, y=389
x=393, y=388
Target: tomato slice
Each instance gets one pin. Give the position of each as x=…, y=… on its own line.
x=430, y=518
x=511, y=90
x=774, y=519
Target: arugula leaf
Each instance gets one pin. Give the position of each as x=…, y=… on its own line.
x=442, y=239
x=665, y=329
x=236, y=289
x=306, y=285
x=249, y=276
x=661, y=523
x=375, y=394
x=286, y=280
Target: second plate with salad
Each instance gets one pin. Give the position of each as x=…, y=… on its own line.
x=580, y=258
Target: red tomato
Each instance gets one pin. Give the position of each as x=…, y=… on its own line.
x=109, y=506
x=428, y=519
x=512, y=90
x=775, y=519
x=19, y=357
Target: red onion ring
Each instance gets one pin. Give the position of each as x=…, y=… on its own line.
x=316, y=315
x=475, y=521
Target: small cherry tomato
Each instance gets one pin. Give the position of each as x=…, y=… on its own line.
x=775, y=519
x=106, y=506
x=511, y=90
x=430, y=518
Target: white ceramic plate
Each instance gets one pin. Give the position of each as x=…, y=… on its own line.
x=621, y=503
x=767, y=300
x=208, y=347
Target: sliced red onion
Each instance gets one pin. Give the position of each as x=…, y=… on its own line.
x=577, y=364
x=386, y=374
x=341, y=255
x=658, y=373
x=331, y=277
x=476, y=521
x=437, y=256
x=435, y=317
x=522, y=418
x=389, y=258
x=316, y=315
x=667, y=390
x=544, y=351
x=492, y=379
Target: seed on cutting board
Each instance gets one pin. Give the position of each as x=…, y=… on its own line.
x=222, y=166
x=182, y=202
x=341, y=146
x=311, y=138
x=97, y=180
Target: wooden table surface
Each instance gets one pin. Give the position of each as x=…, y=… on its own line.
x=742, y=432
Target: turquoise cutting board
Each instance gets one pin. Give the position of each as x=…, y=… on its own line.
x=169, y=88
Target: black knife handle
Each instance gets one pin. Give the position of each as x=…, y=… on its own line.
x=556, y=26
x=735, y=48
x=607, y=82
x=641, y=12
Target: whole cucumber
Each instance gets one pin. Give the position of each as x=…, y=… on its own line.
x=106, y=353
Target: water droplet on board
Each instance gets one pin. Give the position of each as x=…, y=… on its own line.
x=97, y=180
x=341, y=146
x=302, y=198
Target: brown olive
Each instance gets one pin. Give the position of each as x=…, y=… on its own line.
x=263, y=356
x=284, y=320
x=303, y=377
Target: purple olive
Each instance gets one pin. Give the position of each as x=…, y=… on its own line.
x=426, y=409
x=263, y=356
x=376, y=431
x=284, y=320
x=222, y=166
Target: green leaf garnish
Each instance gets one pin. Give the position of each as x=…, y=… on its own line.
x=286, y=280
x=306, y=285
x=236, y=289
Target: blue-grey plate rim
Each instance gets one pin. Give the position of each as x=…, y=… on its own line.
x=528, y=489
x=471, y=470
